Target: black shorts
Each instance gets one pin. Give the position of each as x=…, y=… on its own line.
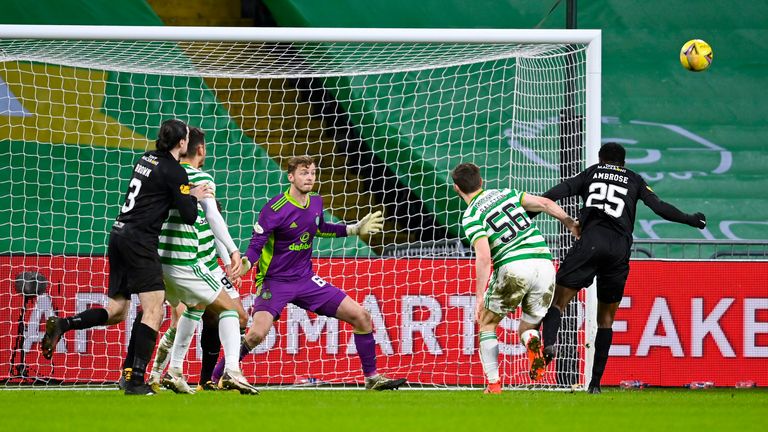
x=600, y=252
x=133, y=267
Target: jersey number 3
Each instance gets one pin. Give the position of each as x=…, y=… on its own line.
x=133, y=190
x=607, y=197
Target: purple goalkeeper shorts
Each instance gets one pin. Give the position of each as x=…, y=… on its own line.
x=312, y=293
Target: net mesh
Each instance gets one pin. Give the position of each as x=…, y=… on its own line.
x=385, y=122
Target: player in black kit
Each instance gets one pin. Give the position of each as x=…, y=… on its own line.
x=610, y=193
x=157, y=183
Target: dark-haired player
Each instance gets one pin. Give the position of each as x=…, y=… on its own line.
x=157, y=183
x=505, y=240
x=610, y=193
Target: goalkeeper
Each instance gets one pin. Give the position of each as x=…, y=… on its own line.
x=281, y=248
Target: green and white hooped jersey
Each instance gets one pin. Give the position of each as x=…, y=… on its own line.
x=182, y=244
x=499, y=215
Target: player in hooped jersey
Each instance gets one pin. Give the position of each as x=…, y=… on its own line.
x=498, y=227
x=158, y=183
x=281, y=252
x=194, y=278
x=610, y=193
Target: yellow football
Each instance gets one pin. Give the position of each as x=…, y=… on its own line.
x=696, y=55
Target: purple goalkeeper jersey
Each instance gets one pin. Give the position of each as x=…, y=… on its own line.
x=282, y=238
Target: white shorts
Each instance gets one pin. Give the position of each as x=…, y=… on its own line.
x=528, y=283
x=195, y=284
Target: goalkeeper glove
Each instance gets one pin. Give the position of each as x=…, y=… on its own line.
x=370, y=224
x=245, y=267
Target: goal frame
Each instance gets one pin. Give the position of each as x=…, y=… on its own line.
x=591, y=38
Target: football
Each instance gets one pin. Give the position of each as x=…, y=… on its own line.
x=696, y=55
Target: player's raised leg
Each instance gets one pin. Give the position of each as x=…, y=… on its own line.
x=540, y=276
x=55, y=327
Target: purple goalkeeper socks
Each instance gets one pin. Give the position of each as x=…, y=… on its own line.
x=366, y=350
x=218, y=371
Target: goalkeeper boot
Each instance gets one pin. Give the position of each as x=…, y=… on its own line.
x=493, y=388
x=380, y=382
x=234, y=380
x=535, y=360
x=207, y=386
x=54, y=328
x=174, y=380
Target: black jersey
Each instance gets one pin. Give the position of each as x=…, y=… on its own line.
x=610, y=194
x=158, y=182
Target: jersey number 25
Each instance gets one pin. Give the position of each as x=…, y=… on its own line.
x=607, y=197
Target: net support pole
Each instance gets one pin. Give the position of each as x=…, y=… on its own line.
x=593, y=141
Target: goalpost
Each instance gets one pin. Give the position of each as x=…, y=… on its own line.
x=386, y=113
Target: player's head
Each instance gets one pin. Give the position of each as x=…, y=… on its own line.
x=196, y=147
x=612, y=153
x=466, y=178
x=173, y=133
x=302, y=173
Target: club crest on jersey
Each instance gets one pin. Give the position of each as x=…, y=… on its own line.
x=184, y=189
x=258, y=229
x=293, y=225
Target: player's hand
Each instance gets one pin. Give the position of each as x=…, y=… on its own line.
x=237, y=282
x=201, y=192
x=245, y=265
x=370, y=224
x=479, y=307
x=236, y=265
x=574, y=227
x=698, y=220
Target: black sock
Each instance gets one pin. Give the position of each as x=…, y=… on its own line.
x=86, y=319
x=602, y=346
x=211, y=345
x=143, y=347
x=551, y=324
x=128, y=362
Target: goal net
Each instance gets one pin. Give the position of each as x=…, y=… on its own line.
x=385, y=116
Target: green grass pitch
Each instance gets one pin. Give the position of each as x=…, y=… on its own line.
x=669, y=410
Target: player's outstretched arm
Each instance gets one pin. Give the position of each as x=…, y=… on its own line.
x=566, y=188
x=670, y=212
x=369, y=224
x=540, y=204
